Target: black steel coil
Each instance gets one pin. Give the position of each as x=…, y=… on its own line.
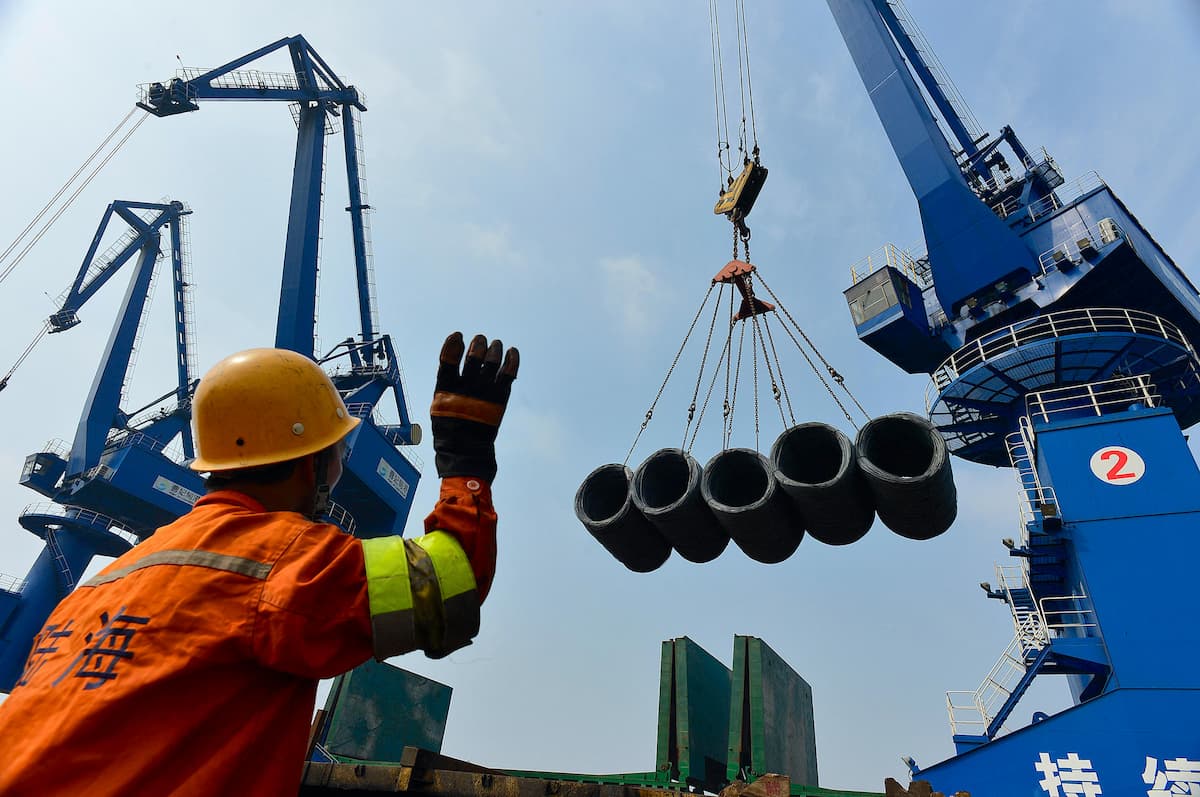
x=604, y=505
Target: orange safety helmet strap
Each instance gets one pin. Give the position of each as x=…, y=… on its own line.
x=265, y=406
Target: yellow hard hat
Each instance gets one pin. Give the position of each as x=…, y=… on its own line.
x=263, y=406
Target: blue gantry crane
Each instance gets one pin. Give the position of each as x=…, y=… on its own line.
x=122, y=476
x=125, y=474
x=1061, y=341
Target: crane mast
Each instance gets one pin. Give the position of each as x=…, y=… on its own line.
x=1061, y=343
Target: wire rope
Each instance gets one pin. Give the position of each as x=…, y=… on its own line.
x=714, y=29
x=667, y=378
x=745, y=38
x=711, y=386
x=703, y=362
x=833, y=372
x=66, y=185
x=41, y=333
x=70, y=200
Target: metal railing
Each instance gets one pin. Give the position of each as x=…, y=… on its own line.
x=172, y=449
x=56, y=446
x=1064, y=195
x=340, y=517
x=1070, y=618
x=1033, y=498
x=1095, y=398
x=1049, y=327
x=11, y=583
x=81, y=515
x=1029, y=623
x=889, y=255
x=973, y=712
x=247, y=79
x=1070, y=250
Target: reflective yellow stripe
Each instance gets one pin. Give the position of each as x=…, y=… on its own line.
x=458, y=609
x=421, y=594
x=389, y=595
x=387, y=574
x=450, y=561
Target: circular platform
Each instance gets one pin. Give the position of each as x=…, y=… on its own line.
x=107, y=536
x=978, y=393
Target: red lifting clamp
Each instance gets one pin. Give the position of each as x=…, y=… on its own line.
x=738, y=272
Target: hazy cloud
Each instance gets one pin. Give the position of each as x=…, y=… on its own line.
x=630, y=293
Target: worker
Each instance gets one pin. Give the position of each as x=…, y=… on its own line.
x=189, y=665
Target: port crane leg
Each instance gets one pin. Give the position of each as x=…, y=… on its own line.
x=296, y=329
x=52, y=576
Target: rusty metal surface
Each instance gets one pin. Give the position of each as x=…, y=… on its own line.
x=421, y=772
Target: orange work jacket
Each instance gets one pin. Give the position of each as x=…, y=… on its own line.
x=189, y=665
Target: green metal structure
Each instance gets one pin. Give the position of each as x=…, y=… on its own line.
x=771, y=725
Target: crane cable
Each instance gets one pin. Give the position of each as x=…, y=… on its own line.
x=8, y=269
x=724, y=164
x=28, y=350
x=650, y=412
x=747, y=89
x=747, y=139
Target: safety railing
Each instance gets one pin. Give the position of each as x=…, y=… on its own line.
x=1029, y=623
x=332, y=125
x=247, y=79
x=1064, y=195
x=56, y=446
x=82, y=516
x=973, y=712
x=186, y=299
x=1006, y=207
x=889, y=255
x=1080, y=239
x=1033, y=499
x=1093, y=398
x=1048, y=327
x=966, y=717
x=1065, y=616
x=364, y=410
x=342, y=518
x=11, y=583
x=172, y=449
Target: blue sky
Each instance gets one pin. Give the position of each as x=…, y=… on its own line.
x=545, y=173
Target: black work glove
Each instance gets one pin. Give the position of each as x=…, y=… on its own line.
x=467, y=406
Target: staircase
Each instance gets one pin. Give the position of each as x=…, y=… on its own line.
x=976, y=717
x=60, y=561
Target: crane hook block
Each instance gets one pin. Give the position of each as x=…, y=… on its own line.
x=739, y=197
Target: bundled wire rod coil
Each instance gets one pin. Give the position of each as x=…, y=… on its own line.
x=666, y=489
x=604, y=505
x=815, y=466
x=739, y=487
x=907, y=468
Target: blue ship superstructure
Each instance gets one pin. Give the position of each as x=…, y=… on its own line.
x=1061, y=341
